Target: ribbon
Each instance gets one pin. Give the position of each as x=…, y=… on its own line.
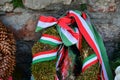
x=70, y=38
x=45, y=56
x=45, y=22
x=49, y=39
x=89, y=61
x=95, y=41
x=79, y=43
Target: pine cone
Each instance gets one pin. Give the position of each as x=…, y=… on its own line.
x=7, y=50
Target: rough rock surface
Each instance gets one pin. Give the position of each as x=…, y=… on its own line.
x=101, y=5
x=39, y=4
x=3, y=1
x=16, y=20
x=23, y=24
x=103, y=13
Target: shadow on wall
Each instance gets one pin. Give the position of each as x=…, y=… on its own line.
x=23, y=60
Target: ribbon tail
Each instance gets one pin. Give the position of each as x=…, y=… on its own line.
x=74, y=54
x=45, y=22
x=95, y=41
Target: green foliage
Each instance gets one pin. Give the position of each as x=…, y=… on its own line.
x=116, y=58
x=17, y=3
x=115, y=63
x=83, y=7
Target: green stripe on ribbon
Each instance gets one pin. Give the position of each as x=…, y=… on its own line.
x=104, y=56
x=99, y=42
x=89, y=57
x=38, y=28
x=65, y=40
x=43, y=59
x=48, y=42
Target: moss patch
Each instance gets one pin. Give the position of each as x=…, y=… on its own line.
x=90, y=74
x=17, y=3
x=44, y=70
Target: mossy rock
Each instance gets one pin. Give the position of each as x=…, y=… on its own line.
x=44, y=70
x=90, y=74
x=17, y=3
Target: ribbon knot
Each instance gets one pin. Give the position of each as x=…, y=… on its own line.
x=65, y=20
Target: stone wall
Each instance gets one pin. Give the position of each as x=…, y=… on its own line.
x=104, y=14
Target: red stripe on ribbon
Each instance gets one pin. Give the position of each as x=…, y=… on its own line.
x=90, y=64
x=84, y=15
x=47, y=19
x=103, y=78
x=51, y=36
x=65, y=65
x=61, y=56
x=79, y=44
x=45, y=52
x=64, y=22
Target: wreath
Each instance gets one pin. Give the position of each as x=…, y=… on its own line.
x=71, y=28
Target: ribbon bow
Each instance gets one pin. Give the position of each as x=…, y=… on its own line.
x=68, y=36
x=71, y=28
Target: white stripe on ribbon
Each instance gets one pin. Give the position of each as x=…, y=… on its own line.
x=60, y=56
x=78, y=43
x=89, y=61
x=56, y=77
x=71, y=38
x=45, y=24
x=45, y=56
x=50, y=39
x=87, y=29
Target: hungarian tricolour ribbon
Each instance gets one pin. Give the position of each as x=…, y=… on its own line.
x=71, y=28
